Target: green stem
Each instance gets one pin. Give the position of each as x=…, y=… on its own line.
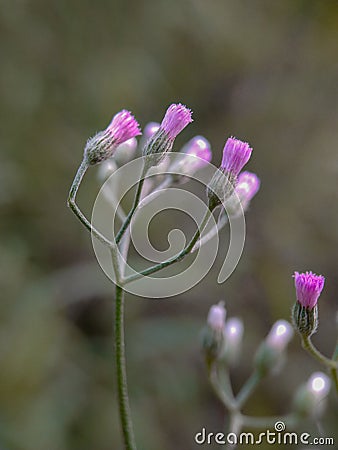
x=133, y=208
x=334, y=372
x=235, y=427
x=175, y=258
x=308, y=346
x=248, y=388
x=224, y=395
x=222, y=221
x=71, y=201
x=124, y=409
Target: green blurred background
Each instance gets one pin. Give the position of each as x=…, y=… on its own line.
x=265, y=71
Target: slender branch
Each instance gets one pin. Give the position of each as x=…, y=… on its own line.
x=133, y=208
x=120, y=358
x=224, y=396
x=235, y=427
x=334, y=372
x=175, y=258
x=71, y=201
x=222, y=221
x=308, y=346
x=248, y=388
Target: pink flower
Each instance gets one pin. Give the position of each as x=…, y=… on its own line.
x=123, y=127
x=150, y=129
x=216, y=317
x=235, y=155
x=247, y=187
x=104, y=144
x=308, y=288
x=176, y=118
x=200, y=147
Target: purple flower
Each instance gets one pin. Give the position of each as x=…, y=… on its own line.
x=308, y=288
x=235, y=155
x=200, y=147
x=216, y=317
x=123, y=127
x=176, y=118
x=104, y=144
x=247, y=187
x=150, y=129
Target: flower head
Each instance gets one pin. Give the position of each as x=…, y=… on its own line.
x=176, y=118
x=200, y=147
x=308, y=288
x=280, y=335
x=235, y=155
x=123, y=127
x=247, y=187
x=216, y=317
x=103, y=145
x=150, y=129
x=194, y=156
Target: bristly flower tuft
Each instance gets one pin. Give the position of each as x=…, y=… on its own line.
x=103, y=145
x=235, y=155
x=308, y=288
x=176, y=118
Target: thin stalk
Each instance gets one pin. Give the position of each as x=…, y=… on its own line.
x=308, y=346
x=334, y=372
x=224, y=396
x=120, y=358
x=71, y=201
x=222, y=221
x=175, y=258
x=248, y=388
x=235, y=427
x=133, y=208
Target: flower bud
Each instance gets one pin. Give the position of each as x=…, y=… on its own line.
x=176, y=118
x=305, y=311
x=270, y=354
x=197, y=154
x=247, y=186
x=310, y=399
x=213, y=333
x=233, y=333
x=104, y=144
x=126, y=151
x=221, y=187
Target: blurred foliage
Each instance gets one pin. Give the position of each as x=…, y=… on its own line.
x=261, y=70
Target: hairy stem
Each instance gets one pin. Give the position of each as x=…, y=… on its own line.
x=120, y=358
x=133, y=208
x=309, y=347
x=71, y=201
x=248, y=388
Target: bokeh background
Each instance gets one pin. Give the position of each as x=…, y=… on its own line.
x=265, y=71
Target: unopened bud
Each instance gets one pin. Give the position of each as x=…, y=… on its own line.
x=104, y=144
x=270, y=354
x=176, y=118
x=213, y=333
x=195, y=155
x=221, y=187
x=310, y=399
x=305, y=311
x=125, y=152
x=233, y=333
x=247, y=187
